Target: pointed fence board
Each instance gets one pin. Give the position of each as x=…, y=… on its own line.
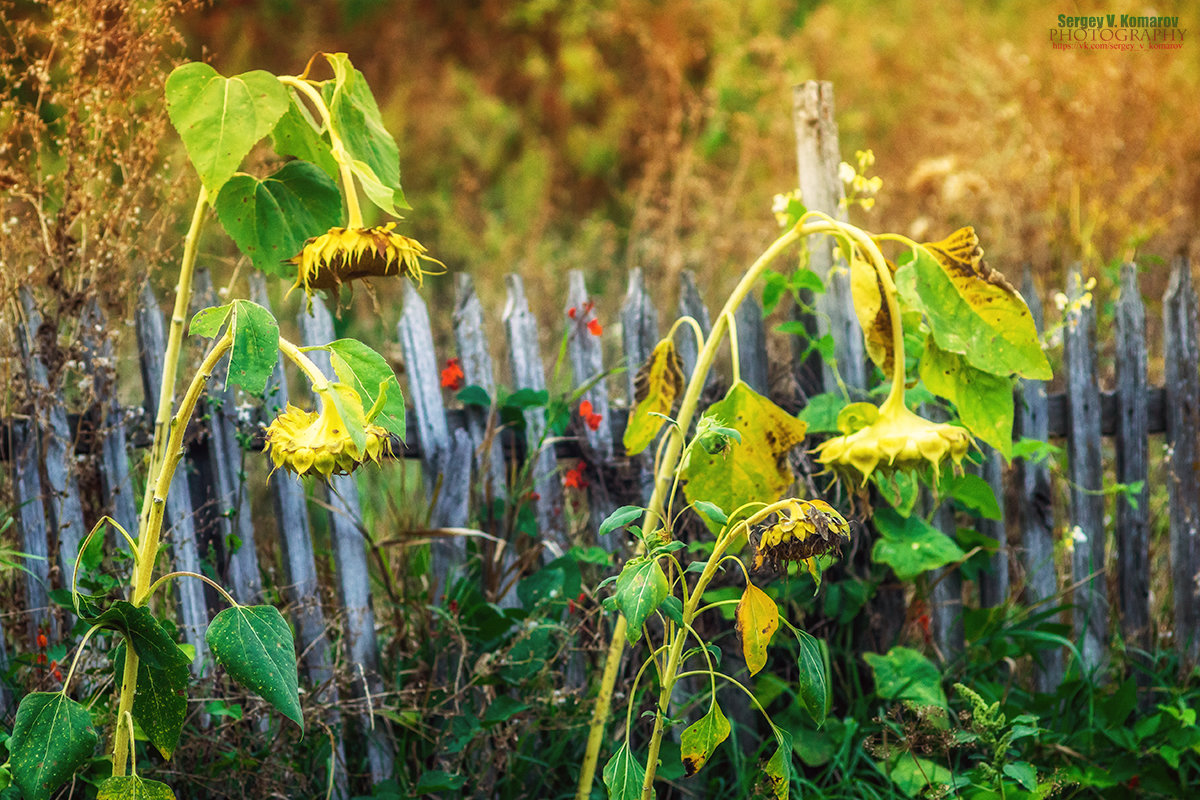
x=1087, y=477
x=525, y=356
x=1132, y=455
x=234, y=521
x=179, y=528
x=353, y=573
x=818, y=156
x=639, y=335
x=691, y=304
x=1181, y=343
x=57, y=447
x=476, y=363
x=116, y=480
x=449, y=496
x=31, y=516
x=1035, y=511
x=752, y=345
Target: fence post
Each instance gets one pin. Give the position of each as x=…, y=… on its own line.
x=1087, y=477
x=587, y=364
x=1132, y=450
x=639, y=334
x=691, y=304
x=994, y=587
x=354, y=577
x=946, y=597
x=525, y=355
x=752, y=345
x=1181, y=334
x=818, y=157
x=1035, y=514
x=31, y=514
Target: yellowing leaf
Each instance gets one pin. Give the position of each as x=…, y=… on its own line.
x=657, y=383
x=972, y=310
x=873, y=313
x=757, y=469
x=700, y=739
x=756, y=618
x=777, y=772
x=984, y=401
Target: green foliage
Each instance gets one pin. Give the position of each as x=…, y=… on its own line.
x=133, y=788
x=640, y=589
x=911, y=546
x=51, y=738
x=905, y=674
x=370, y=375
x=255, y=341
x=623, y=775
x=255, y=645
x=701, y=738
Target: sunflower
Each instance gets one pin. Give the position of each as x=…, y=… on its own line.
x=801, y=531
x=343, y=254
x=894, y=441
x=300, y=440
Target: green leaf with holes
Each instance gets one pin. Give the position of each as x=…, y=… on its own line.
x=52, y=737
x=255, y=341
x=130, y=787
x=255, y=645
x=270, y=219
x=220, y=119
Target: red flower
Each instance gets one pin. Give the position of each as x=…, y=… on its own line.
x=41, y=658
x=594, y=327
x=42, y=641
x=571, y=312
x=573, y=478
x=570, y=606
x=591, y=418
x=452, y=375
x=58, y=674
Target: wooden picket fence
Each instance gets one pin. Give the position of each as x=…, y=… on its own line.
x=463, y=461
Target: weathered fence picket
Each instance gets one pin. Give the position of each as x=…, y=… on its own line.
x=994, y=585
x=752, y=345
x=639, y=334
x=1181, y=347
x=31, y=515
x=691, y=304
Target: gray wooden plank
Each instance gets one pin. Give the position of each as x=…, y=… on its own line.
x=1087, y=479
x=587, y=362
x=179, y=529
x=57, y=447
x=31, y=521
x=447, y=553
x=1035, y=513
x=117, y=483
x=525, y=357
x=1132, y=448
x=818, y=157
x=1181, y=340
x=691, y=304
x=639, y=334
x=994, y=586
x=233, y=515
x=946, y=594
x=752, y=345
x=353, y=572
x=476, y=362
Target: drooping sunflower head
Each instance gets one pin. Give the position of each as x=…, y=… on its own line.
x=799, y=532
x=895, y=441
x=341, y=255
x=307, y=441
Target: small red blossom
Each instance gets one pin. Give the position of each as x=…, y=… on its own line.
x=581, y=598
x=452, y=375
x=595, y=328
x=1134, y=782
x=58, y=674
x=42, y=641
x=588, y=415
x=453, y=606
x=41, y=658
x=570, y=606
x=572, y=312
x=573, y=478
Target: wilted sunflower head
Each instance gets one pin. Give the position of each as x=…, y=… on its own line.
x=343, y=254
x=799, y=532
x=895, y=441
x=302, y=441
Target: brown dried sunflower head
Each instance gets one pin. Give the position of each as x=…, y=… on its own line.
x=307, y=441
x=801, y=531
x=894, y=441
x=343, y=254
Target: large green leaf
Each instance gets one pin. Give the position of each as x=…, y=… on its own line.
x=972, y=310
x=160, y=703
x=51, y=738
x=905, y=674
x=812, y=688
x=270, y=219
x=756, y=618
x=623, y=775
x=220, y=119
x=255, y=645
x=130, y=787
x=355, y=116
x=255, y=341
x=912, y=774
x=296, y=134
x=641, y=588
x=912, y=546
x=700, y=739
x=757, y=469
x=984, y=401
x=369, y=374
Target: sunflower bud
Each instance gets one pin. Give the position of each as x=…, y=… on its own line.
x=344, y=254
x=714, y=437
x=896, y=440
x=300, y=440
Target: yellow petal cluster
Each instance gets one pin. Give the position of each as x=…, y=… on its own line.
x=303, y=441
x=344, y=254
x=897, y=440
x=800, y=531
